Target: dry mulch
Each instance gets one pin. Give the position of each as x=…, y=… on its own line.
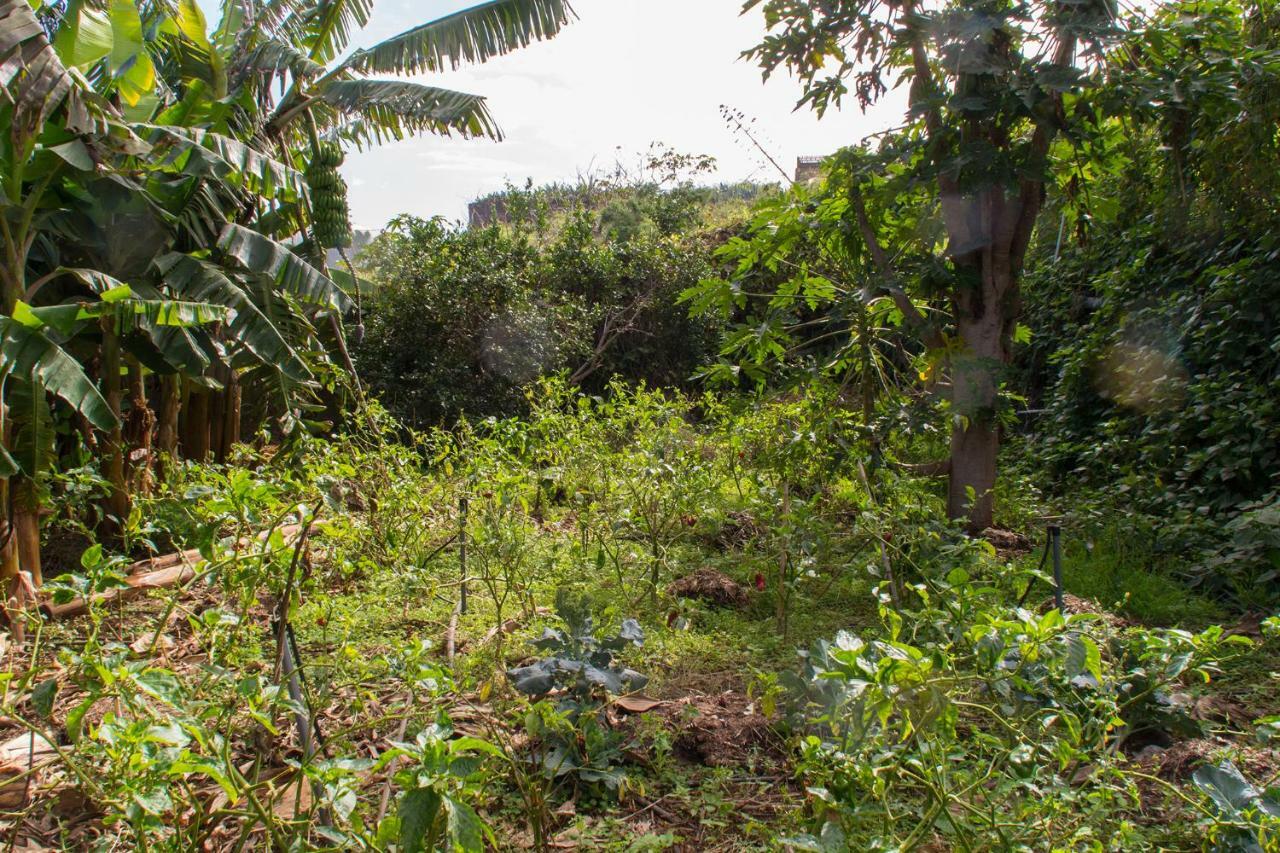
x=720, y=730
x=1008, y=543
x=1077, y=605
x=739, y=528
x=706, y=584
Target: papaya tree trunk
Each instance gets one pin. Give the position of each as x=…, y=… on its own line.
x=117, y=505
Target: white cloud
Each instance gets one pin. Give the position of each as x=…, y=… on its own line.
x=627, y=73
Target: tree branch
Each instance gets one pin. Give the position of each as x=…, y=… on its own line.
x=1031, y=190
x=937, y=468
x=924, y=83
x=931, y=336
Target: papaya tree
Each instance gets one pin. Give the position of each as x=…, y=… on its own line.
x=997, y=97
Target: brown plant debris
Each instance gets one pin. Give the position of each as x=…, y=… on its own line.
x=711, y=586
x=720, y=731
x=1008, y=543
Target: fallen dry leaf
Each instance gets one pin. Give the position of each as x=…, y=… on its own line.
x=638, y=704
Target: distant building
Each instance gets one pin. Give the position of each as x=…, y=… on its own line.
x=808, y=169
x=490, y=210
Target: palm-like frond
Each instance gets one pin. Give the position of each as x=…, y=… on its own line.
x=32, y=77
x=264, y=256
x=396, y=108
x=222, y=157
x=33, y=430
x=28, y=353
x=473, y=35
x=328, y=25
x=245, y=22
x=274, y=56
x=248, y=325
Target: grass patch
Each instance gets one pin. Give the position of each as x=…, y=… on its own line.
x=1123, y=574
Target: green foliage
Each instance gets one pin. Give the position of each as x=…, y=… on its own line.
x=440, y=778
x=581, y=664
x=572, y=738
x=461, y=321
x=1029, y=700
x=1248, y=820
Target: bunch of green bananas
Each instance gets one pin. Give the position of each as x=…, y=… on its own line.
x=329, y=196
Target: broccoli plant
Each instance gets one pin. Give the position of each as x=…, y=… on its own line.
x=572, y=736
x=580, y=664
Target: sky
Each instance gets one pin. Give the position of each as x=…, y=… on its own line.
x=625, y=74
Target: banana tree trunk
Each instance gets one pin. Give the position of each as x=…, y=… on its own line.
x=11, y=586
x=217, y=405
x=139, y=431
x=26, y=530
x=195, y=424
x=117, y=504
x=230, y=416
x=167, y=419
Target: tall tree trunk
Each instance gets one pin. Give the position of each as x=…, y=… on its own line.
x=981, y=313
x=116, y=507
x=975, y=440
x=195, y=425
x=167, y=419
x=139, y=431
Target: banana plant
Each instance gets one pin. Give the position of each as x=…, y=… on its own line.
x=57, y=124
x=339, y=93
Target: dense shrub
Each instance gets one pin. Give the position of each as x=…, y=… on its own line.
x=461, y=320
x=1160, y=364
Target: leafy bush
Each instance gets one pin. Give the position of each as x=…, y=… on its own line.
x=1248, y=819
x=581, y=664
x=966, y=706
x=461, y=320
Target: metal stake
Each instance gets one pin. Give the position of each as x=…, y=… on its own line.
x=462, y=553
x=1055, y=538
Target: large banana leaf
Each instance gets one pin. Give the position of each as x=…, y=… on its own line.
x=32, y=78
x=150, y=313
x=473, y=35
x=170, y=324
x=328, y=25
x=398, y=108
x=206, y=153
x=33, y=431
x=84, y=35
x=265, y=256
x=124, y=309
x=273, y=56
x=28, y=354
x=248, y=326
